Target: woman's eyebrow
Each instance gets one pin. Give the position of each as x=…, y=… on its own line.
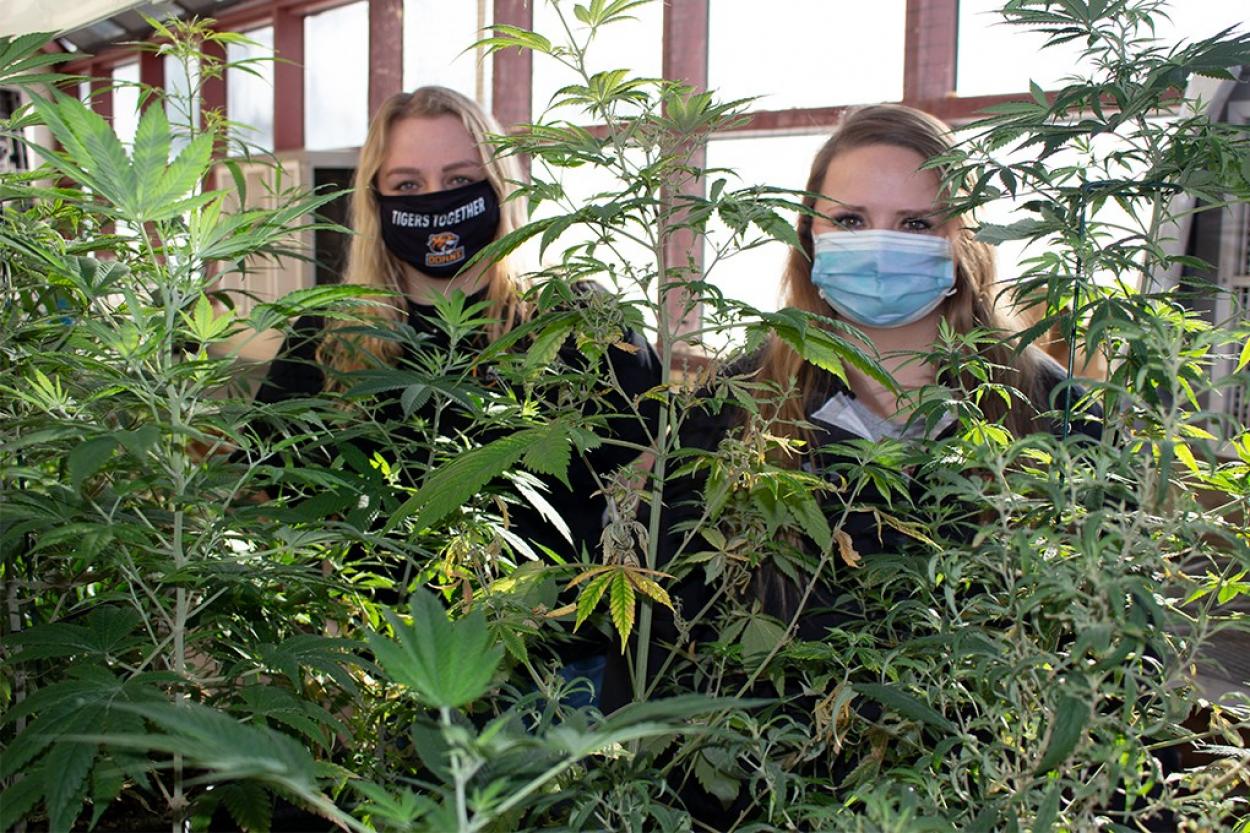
x=464, y=163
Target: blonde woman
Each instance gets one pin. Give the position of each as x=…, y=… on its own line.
x=429, y=195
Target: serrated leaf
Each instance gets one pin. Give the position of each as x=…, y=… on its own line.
x=88, y=458
x=107, y=781
x=621, y=599
x=906, y=705
x=550, y=453
x=65, y=781
x=589, y=597
x=1066, y=727
x=650, y=589
x=249, y=805
x=1048, y=810
x=544, y=349
x=20, y=797
x=1244, y=358
x=759, y=637
x=807, y=510
x=545, y=510
x=453, y=484
x=712, y=777
x=446, y=664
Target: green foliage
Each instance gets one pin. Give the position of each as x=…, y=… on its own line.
x=205, y=590
x=446, y=664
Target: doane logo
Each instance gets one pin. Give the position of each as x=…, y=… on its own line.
x=445, y=249
x=443, y=242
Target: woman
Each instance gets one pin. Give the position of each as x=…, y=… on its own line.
x=881, y=252
x=430, y=195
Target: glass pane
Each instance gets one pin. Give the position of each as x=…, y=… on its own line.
x=807, y=53
x=249, y=93
x=630, y=262
x=126, y=101
x=753, y=276
x=182, y=101
x=1109, y=224
x=1203, y=20
x=635, y=45
x=996, y=58
x=436, y=35
x=336, y=77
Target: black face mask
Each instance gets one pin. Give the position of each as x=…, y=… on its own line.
x=439, y=233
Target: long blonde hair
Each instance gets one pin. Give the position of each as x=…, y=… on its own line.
x=371, y=263
x=973, y=304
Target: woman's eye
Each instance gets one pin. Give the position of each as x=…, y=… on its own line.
x=848, y=221
x=407, y=185
x=917, y=224
x=459, y=181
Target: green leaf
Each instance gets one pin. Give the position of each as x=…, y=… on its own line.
x=249, y=805
x=150, y=152
x=807, y=510
x=550, y=453
x=20, y=797
x=589, y=598
x=453, y=484
x=446, y=664
x=65, y=781
x=184, y=174
x=1066, y=729
x=88, y=458
x=230, y=750
x=543, y=350
x=107, y=781
x=20, y=55
x=906, y=705
x=712, y=769
x=760, y=636
x=1048, y=810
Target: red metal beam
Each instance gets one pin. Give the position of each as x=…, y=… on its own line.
x=513, y=81
x=685, y=59
x=213, y=94
x=814, y=119
x=288, y=80
x=386, y=51
x=151, y=74
x=930, y=49
x=101, y=93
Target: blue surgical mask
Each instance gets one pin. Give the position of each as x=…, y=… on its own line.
x=883, y=279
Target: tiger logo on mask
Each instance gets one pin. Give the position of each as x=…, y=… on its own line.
x=444, y=249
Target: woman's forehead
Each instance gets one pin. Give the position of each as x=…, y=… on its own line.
x=429, y=142
x=880, y=172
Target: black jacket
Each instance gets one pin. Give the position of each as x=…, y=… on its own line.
x=296, y=373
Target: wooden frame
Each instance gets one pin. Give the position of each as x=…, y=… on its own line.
x=929, y=75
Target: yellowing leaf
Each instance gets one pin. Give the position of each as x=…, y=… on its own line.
x=589, y=598
x=621, y=605
x=911, y=530
x=1186, y=456
x=1244, y=358
x=649, y=588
